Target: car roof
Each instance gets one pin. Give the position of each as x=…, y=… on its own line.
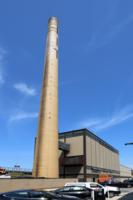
x=28, y=190
x=78, y=183
x=83, y=186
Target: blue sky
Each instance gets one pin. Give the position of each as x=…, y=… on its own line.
x=95, y=72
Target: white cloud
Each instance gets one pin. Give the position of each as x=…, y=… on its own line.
x=91, y=122
x=2, y=55
x=22, y=115
x=23, y=88
x=106, y=37
x=1, y=77
x=104, y=123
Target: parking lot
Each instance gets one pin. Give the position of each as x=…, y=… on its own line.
x=122, y=196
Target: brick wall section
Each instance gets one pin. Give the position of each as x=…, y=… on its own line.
x=18, y=184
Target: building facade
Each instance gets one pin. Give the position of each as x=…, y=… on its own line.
x=87, y=157
x=125, y=172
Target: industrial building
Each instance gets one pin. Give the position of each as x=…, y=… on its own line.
x=85, y=156
x=82, y=154
x=125, y=172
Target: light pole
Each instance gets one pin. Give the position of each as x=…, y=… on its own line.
x=129, y=143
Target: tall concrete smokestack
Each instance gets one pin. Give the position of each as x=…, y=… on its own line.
x=46, y=145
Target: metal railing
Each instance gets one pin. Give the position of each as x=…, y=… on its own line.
x=16, y=169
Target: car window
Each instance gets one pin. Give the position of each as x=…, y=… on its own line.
x=99, y=186
x=17, y=194
x=37, y=194
x=130, y=181
x=95, y=185
x=65, y=189
x=78, y=188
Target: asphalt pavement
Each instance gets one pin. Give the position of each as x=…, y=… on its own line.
x=123, y=195
x=127, y=197
x=126, y=190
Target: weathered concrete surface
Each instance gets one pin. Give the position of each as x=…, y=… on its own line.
x=46, y=162
x=17, y=184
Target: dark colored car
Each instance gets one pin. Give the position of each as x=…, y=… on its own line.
x=34, y=195
x=81, y=192
x=125, y=184
x=128, y=182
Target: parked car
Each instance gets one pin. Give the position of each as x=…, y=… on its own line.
x=125, y=184
x=81, y=192
x=5, y=176
x=35, y=195
x=108, y=190
x=128, y=182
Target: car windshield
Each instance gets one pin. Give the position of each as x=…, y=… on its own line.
x=78, y=188
x=17, y=194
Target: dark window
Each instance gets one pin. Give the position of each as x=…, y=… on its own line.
x=17, y=194
x=130, y=181
x=36, y=194
x=65, y=189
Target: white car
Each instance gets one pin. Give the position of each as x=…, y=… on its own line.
x=108, y=190
x=5, y=176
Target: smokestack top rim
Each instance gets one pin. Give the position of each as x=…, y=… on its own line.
x=53, y=21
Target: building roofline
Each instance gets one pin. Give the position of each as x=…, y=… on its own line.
x=72, y=131
x=88, y=133
x=125, y=166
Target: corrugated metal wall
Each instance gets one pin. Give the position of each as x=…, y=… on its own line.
x=100, y=156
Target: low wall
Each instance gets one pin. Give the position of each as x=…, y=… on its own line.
x=17, y=184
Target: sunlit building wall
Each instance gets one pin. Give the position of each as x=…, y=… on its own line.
x=88, y=156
